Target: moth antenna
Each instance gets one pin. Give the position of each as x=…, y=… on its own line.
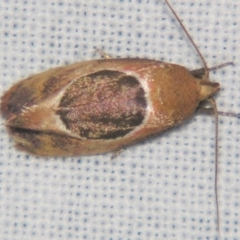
x=214, y=105
x=206, y=72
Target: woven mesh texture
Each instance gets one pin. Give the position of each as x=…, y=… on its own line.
x=162, y=188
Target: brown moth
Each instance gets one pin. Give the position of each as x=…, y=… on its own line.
x=100, y=106
x=103, y=105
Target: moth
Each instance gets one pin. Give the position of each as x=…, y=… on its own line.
x=101, y=105
x=104, y=105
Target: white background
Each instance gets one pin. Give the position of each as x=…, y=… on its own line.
x=160, y=189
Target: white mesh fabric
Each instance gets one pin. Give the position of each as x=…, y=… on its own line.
x=160, y=189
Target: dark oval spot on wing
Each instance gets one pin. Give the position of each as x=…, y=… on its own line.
x=103, y=105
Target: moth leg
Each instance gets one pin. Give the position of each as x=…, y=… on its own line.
x=117, y=153
x=199, y=73
x=103, y=54
x=210, y=111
